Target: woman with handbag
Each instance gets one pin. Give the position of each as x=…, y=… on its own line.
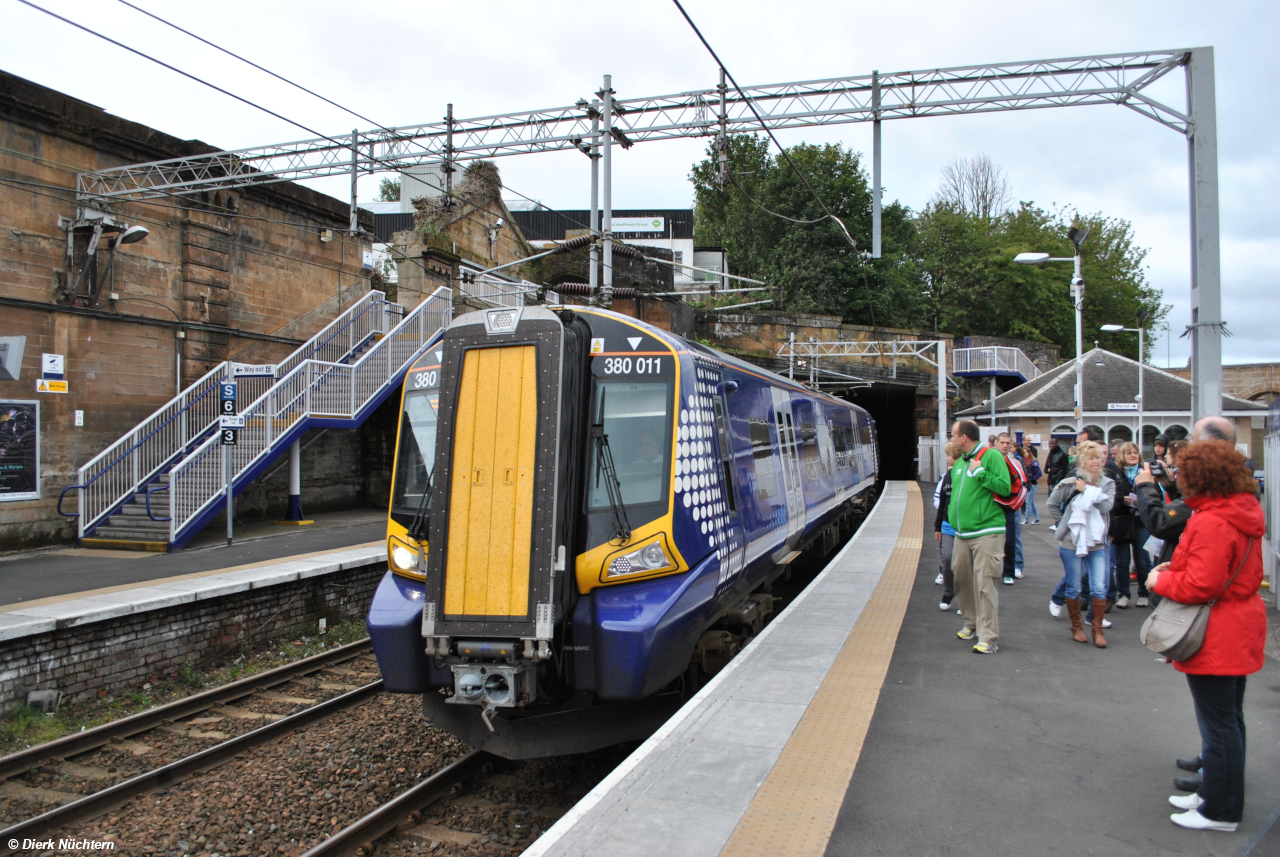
x=1031, y=463
x=1218, y=563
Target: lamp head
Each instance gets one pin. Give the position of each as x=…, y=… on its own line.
x=132, y=235
x=1077, y=236
x=1112, y=328
x=1031, y=258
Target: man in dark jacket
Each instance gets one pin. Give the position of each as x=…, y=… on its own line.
x=1059, y=465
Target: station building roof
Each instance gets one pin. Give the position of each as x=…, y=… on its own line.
x=1109, y=378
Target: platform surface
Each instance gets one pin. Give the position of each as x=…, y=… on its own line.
x=1049, y=747
x=61, y=572
x=687, y=788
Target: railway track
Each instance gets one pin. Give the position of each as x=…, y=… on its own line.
x=168, y=719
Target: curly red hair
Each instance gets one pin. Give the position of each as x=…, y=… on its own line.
x=1214, y=468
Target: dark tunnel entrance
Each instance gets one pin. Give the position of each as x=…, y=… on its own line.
x=894, y=408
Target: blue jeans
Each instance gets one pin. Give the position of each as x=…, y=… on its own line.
x=1029, y=511
x=1219, y=701
x=1093, y=564
x=1012, y=542
x=1141, y=562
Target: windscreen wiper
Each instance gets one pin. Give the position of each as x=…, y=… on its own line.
x=604, y=465
x=417, y=529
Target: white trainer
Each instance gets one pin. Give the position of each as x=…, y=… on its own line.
x=1017, y=572
x=938, y=579
x=1193, y=820
x=1055, y=609
x=1186, y=802
x=944, y=605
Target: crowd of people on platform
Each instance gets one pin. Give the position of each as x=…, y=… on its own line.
x=1185, y=525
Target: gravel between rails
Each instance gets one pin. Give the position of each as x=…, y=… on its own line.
x=285, y=797
x=56, y=783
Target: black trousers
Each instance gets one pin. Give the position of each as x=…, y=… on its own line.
x=1219, y=701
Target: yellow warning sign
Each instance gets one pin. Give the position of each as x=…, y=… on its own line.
x=45, y=385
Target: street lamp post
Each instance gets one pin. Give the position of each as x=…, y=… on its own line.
x=1077, y=237
x=1142, y=402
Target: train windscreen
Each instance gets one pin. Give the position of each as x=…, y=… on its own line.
x=417, y=451
x=636, y=420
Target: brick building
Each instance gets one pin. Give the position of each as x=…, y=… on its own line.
x=245, y=275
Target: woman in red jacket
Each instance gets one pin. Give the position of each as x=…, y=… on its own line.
x=1222, y=538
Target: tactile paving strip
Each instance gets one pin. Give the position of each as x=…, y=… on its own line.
x=795, y=809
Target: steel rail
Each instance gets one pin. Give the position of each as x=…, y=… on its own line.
x=91, y=806
x=357, y=837
x=82, y=742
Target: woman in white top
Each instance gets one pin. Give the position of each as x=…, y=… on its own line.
x=1081, y=506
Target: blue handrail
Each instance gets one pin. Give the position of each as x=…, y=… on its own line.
x=63, y=494
x=151, y=491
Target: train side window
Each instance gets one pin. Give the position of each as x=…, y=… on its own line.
x=826, y=450
x=726, y=458
x=762, y=458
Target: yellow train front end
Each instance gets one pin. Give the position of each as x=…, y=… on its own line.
x=410, y=513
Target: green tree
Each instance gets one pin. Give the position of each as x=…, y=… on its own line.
x=389, y=190
x=948, y=268
x=754, y=218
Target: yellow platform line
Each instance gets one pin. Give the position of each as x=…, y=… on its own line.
x=795, y=809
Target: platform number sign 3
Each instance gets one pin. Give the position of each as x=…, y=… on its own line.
x=229, y=437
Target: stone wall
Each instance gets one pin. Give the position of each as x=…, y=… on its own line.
x=243, y=275
x=119, y=655
x=1257, y=382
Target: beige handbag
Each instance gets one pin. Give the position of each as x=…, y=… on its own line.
x=1176, y=630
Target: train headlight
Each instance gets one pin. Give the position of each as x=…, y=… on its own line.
x=404, y=558
x=645, y=559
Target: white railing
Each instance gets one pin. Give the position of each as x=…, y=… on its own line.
x=313, y=388
x=991, y=359
x=124, y=467
x=501, y=292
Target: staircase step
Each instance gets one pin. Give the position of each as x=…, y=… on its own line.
x=124, y=544
x=119, y=523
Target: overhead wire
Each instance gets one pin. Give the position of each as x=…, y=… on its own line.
x=313, y=93
x=751, y=104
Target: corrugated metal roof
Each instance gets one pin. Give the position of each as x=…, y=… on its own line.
x=552, y=225
x=387, y=225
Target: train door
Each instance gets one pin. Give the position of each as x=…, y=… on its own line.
x=733, y=543
x=790, y=462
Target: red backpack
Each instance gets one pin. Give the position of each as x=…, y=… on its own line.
x=1017, y=495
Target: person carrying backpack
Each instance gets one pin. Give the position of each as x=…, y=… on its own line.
x=978, y=476
x=1011, y=504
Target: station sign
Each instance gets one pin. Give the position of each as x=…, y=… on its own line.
x=253, y=370
x=228, y=429
x=227, y=393
x=46, y=385
x=53, y=366
x=639, y=224
x=1122, y=406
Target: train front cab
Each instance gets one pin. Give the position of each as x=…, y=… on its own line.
x=702, y=462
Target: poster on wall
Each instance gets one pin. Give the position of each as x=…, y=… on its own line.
x=19, y=450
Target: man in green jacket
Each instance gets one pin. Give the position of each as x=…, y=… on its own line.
x=978, y=556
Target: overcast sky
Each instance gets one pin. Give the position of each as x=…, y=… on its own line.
x=401, y=62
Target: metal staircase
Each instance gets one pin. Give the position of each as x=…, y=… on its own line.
x=161, y=483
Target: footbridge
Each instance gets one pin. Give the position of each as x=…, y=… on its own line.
x=162, y=482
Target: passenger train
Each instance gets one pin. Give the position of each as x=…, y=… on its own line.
x=606, y=505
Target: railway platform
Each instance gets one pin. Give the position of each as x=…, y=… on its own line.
x=59, y=573
x=857, y=723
